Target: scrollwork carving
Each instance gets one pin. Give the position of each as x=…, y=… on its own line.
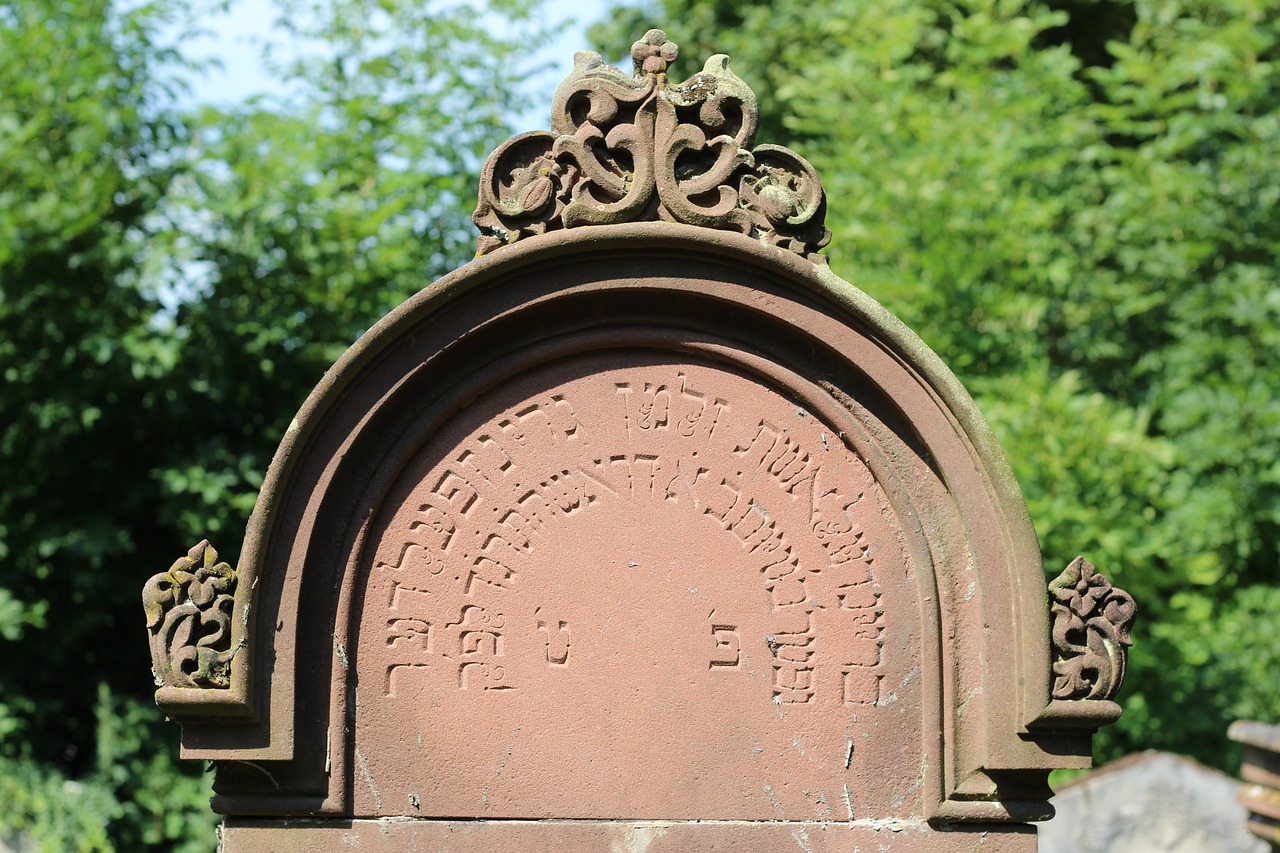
x=628, y=149
x=1091, y=625
x=188, y=612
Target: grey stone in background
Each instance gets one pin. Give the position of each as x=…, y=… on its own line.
x=19, y=843
x=1152, y=802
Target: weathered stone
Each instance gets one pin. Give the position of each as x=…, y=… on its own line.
x=1091, y=624
x=397, y=835
x=189, y=615
x=1261, y=771
x=654, y=532
x=1153, y=802
x=667, y=566
x=630, y=149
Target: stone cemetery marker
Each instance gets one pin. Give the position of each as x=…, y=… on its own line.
x=1261, y=771
x=642, y=531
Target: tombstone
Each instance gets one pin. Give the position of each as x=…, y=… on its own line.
x=1149, y=802
x=642, y=531
x=1260, y=768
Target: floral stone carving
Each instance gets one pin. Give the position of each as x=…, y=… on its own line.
x=627, y=149
x=189, y=618
x=1091, y=625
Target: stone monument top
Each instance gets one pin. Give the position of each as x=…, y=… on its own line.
x=652, y=534
x=644, y=149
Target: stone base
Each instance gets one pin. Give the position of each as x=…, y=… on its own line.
x=407, y=835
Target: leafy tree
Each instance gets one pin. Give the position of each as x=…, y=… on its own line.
x=86, y=140
x=171, y=287
x=84, y=136
x=1073, y=203
x=314, y=214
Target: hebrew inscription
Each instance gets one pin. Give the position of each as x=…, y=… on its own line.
x=474, y=531
x=728, y=650
x=556, y=637
x=591, y=543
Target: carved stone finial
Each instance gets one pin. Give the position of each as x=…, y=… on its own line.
x=189, y=619
x=631, y=149
x=1091, y=624
x=653, y=53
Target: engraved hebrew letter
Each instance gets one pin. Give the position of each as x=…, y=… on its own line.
x=682, y=484
x=488, y=571
x=773, y=451
x=409, y=633
x=488, y=456
x=788, y=463
x=400, y=592
x=647, y=463
x=654, y=410
x=755, y=450
x=480, y=675
x=429, y=537
x=513, y=432
x=565, y=492
x=556, y=640
x=457, y=491
x=434, y=527
x=861, y=685
x=518, y=530
x=793, y=683
x=479, y=645
x=533, y=506
x=793, y=663
x=719, y=500
x=860, y=600
x=624, y=390
x=564, y=422
x=396, y=675
x=696, y=413
x=728, y=649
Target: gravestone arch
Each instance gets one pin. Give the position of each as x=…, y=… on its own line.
x=649, y=521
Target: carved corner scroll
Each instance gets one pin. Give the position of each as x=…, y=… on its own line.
x=629, y=149
x=1091, y=621
x=188, y=612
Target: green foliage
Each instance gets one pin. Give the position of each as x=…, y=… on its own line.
x=159, y=806
x=135, y=799
x=171, y=287
x=1074, y=204
x=84, y=136
x=308, y=218
x=1107, y=466
x=45, y=810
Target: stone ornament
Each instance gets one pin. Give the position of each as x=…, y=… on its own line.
x=1091, y=625
x=189, y=619
x=630, y=149
x=642, y=536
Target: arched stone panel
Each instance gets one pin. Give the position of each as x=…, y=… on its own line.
x=801, y=362
x=649, y=535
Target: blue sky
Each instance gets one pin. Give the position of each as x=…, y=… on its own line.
x=232, y=35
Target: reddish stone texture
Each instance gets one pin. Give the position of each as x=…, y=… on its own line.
x=651, y=523
x=649, y=536
x=626, y=585
x=394, y=835
x=644, y=148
